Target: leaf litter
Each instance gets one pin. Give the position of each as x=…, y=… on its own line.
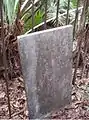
x=78, y=109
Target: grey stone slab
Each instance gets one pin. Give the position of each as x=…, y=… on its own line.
x=46, y=59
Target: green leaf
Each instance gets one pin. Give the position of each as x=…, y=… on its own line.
x=38, y=18
x=10, y=9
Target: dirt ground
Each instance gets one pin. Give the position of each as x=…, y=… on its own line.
x=17, y=99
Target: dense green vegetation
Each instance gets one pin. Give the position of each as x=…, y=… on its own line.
x=11, y=11
x=24, y=9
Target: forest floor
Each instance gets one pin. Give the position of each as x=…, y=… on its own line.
x=78, y=109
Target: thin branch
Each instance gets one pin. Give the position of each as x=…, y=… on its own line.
x=57, y=12
x=85, y=52
x=67, y=17
x=45, y=16
x=76, y=17
x=18, y=13
x=35, y=2
x=4, y=57
x=83, y=14
x=32, y=15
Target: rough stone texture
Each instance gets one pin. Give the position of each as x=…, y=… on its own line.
x=46, y=59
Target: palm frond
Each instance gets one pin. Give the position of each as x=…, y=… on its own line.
x=10, y=9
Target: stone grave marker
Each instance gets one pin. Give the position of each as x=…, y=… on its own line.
x=46, y=59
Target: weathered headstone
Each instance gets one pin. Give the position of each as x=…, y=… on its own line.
x=46, y=59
